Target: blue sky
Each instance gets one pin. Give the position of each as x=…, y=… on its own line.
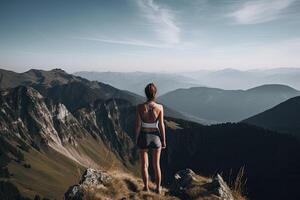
x=149, y=35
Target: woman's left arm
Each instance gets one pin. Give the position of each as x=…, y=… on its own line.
x=138, y=123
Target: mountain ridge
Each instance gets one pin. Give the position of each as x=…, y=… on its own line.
x=68, y=89
x=227, y=105
x=132, y=81
x=283, y=117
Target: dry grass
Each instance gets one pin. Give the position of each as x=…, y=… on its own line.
x=124, y=187
x=172, y=125
x=238, y=184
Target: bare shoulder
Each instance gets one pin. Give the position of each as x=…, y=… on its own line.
x=160, y=106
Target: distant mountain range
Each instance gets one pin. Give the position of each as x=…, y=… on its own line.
x=54, y=124
x=284, y=117
x=136, y=81
x=229, y=79
x=183, y=91
x=233, y=79
x=227, y=105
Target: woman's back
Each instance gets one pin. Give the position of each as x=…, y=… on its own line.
x=149, y=112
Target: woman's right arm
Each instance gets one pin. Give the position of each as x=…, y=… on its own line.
x=162, y=127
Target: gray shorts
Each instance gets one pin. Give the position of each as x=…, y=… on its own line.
x=149, y=140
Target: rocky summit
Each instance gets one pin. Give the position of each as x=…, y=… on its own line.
x=187, y=185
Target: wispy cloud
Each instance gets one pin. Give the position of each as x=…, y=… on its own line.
x=260, y=11
x=130, y=42
x=162, y=19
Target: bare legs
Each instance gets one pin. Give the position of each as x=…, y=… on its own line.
x=156, y=167
x=144, y=167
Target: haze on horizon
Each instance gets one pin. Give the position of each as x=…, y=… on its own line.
x=149, y=35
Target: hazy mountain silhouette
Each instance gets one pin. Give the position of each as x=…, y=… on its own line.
x=132, y=81
x=227, y=105
x=237, y=79
x=230, y=79
x=282, y=118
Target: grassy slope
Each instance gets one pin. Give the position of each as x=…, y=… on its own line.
x=51, y=173
x=48, y=176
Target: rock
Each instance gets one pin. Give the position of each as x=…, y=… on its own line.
x=219, y=188
x=91, y=178
x=75, y=192
x=183, y=179
x=188, y=185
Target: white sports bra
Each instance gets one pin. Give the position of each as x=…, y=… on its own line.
x=150, y=125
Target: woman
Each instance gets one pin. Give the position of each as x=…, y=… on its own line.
x=150, y=135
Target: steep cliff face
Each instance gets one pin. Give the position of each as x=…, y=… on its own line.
x=103, y=119
x=40, y=122
x=89, y=136
x=25, y=114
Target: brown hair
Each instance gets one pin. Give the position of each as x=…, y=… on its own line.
x=150, y=91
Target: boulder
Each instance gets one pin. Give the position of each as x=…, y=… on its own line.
x=91, y=178
x=190, y=186
x=219, y=188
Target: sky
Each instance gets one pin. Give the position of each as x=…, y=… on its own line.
x=149, y=35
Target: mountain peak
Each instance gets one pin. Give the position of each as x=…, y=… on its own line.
x=58, y=70
x=40, y=70
x=273, y=87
